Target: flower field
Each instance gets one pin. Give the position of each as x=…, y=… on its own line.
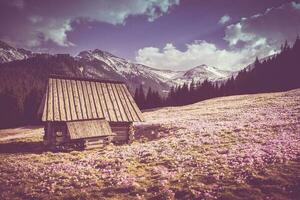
x=238, y=147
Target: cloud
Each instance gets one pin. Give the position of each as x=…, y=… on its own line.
x=224, y=19
x=35, y=19
x=44, y=21
x=18, y=3
x=197, y=53
x=234, y=34
x=260, y=35
x=116, y=13
x=274, y=26
x=296, y=5
x=57, y=32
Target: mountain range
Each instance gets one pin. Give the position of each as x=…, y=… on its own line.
x=104, y=65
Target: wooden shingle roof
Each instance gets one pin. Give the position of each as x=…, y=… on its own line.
x=82, y=99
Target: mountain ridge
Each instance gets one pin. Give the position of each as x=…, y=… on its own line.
x=9, y=53
x=101, y=64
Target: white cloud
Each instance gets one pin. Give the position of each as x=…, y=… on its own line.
x=33, y=42
x=274, y=26
x=259, y=35
x=224, y=19
x=234, y=34
x=57, y=32
x=296, y=5
x=51, y=20
x=152, y=9
x=110, y=12
x=197, y=53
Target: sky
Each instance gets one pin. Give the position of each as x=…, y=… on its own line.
x=165, y=34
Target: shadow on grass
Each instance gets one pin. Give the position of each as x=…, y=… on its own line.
x=22, y=147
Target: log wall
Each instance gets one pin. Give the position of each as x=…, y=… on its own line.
x=122, y=131
x=51, y=128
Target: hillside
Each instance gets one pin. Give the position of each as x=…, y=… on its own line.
x=237, y=147
x=103, y=65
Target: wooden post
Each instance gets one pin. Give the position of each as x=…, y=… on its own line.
x=130, y=134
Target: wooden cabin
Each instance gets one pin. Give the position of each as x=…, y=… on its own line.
x=87, y=113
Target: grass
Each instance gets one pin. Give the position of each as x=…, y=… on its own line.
x=241, y=152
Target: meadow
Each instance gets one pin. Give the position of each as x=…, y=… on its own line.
x=237, y=147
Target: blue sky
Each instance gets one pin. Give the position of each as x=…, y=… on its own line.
x=166, y=34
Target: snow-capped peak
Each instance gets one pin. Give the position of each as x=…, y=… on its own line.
x=204, y=69
x=201, y=73
x=129, y=70
x=94, y=54
x=8, y=53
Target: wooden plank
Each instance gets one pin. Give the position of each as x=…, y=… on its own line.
x=93, y=140
x=71, y=100
x=45, y=102
x=88, y=147
x=121, y=124
x=88, y=129
x=56, y=110
x=123, y=103
x=114, y=102
x=120, y=128
x=61, y=100
x=103, y=101
x=92, y=102
x=129, y=104
x=94, y=145
x=124, y=114
x=120, y=138
x=81, y=100
x=66, y=100
x=86, y=99
x=50, y=102
x=110, y=107
x=120, y=132
x=137, y=110
x=76, y=99
x=97, y=100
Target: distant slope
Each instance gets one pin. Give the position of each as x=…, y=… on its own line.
x=200, y=74
x=8, y=53
x=101, y=64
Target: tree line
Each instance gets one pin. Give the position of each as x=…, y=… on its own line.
x=276, y=73
x=23, y=83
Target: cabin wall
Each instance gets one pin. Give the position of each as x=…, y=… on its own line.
x=122, y=130
x=55, y=133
